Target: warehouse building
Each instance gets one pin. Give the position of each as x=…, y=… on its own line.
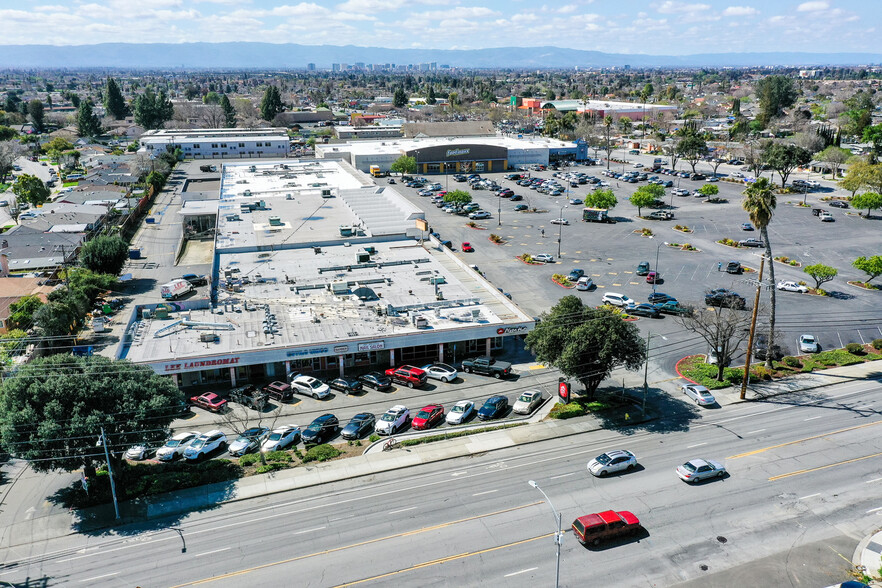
x=218, y=143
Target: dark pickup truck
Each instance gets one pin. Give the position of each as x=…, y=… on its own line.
x=249, y=396
x=486, y=366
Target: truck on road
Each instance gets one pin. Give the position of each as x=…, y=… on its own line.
x=596, y=215
x=175, y=289
x=486, y=366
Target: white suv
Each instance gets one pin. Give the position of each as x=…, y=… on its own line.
x=309, y=386
x=617, y=299
x=205, y=444
x=175, y=446
x=394, y=420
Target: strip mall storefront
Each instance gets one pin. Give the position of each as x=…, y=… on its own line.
x=463, y=158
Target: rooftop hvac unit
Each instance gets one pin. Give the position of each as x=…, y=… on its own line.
x=421, y=322
x=275, y=221
x=339, y=288
x=362, y=257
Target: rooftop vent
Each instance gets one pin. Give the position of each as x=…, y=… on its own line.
x=275, y=221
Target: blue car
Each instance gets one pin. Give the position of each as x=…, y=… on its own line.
x=493, y=408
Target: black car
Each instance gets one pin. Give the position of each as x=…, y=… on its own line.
x=320, y=430
x=751, y=243
x=521, y=207
x=575, y=274
x=493, y=408
x=661, y=297
x=644, y=310
x=358, y=426
x=376, y=380
x=725, y=299
x=838, y=204
x=518, y=197
x=195, y=280
x=346, y=385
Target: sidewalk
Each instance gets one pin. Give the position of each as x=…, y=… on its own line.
x=868, y=555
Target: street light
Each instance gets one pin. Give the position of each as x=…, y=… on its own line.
x=498, y=210
x=558, y=534
x=560, y=228
x=655, y=267
x=646, y=370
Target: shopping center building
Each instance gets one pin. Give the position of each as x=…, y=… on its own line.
x=317, y=269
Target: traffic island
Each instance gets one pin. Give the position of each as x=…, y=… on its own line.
x=526, y=258
x=684, y=247
x=496, y=239
x=562, y=281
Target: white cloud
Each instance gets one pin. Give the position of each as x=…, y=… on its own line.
x=813, y=6
x=740, y=11
x=50, y=8
x=671, y=7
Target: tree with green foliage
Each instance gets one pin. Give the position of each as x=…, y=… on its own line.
x=31, y=189
x=58, y=144
x=869, y=200
x=7, y=133
x=774, y=93
x=760, y=203
x=21, y=312
x=586, y=343
x=835, y=156
x=53, y=409
x=601, y=199
x=647, y=195
x=114, y=103
x=430, y=98
x=820, y=273
x=153, y=110
x=458, y=197
x=229, y=112
x=106, y=254
x=88, y=123
x=625, y=124
x=35, y=111
x=211, y=98
x=155, y=180
x=862, y=174
x=404, y=165
x=858, y=115
x=784, y=158
x=399, y=98
x=607, y=142
x=57, y=319
x=736, y=107
x=271, y=104
x=89, y=282
x=709, y=190
x=873, y=136
x=692, y=148
x=872, y=266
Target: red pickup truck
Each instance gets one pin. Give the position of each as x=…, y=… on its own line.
x=409, y=375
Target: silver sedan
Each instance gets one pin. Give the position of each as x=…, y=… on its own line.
x=699, y=394
x=696, y=470
x=440, y=371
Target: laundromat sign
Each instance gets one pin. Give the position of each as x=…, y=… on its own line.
x=207, y=363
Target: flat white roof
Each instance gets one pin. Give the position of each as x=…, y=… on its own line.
x=401, y=145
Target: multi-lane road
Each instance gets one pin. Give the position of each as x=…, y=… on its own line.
x=802, y=491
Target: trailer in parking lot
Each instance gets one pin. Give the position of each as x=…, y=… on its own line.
x=596, y=215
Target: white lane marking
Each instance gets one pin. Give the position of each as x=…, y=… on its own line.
x=562, y=476
x=402, y=510
x=210, y=552
x=696, y=445
x=757, y=431
x=454, y=474
x=873, y=480
x=814, y=418
x=308, y=531
x=99, y=577
x=487, y=492
x=521, y=572
x=874, y=510
x=809, y=496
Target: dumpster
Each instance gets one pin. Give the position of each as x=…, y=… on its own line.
x=135, y=253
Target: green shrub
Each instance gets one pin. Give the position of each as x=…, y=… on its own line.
x=374, y=438
x=249, y=459
x=877, y=343
x=322, y=452
x=706, y=375
x=279, y=456
x=855, y=348
x=567, y=411
x=455, y=434
x=761, y=372
x=271, y=467
x=791, y=361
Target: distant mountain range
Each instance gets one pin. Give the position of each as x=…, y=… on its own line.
x=269, y=56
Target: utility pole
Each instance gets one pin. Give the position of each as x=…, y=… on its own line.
x=759, y=286
x=110, y=473
x=646, y=373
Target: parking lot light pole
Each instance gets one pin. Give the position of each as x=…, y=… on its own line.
x=646, y=370
x=560, y=229
x=558, y=534
x=498, y=210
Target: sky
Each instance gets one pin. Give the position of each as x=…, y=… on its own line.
x=657, y=27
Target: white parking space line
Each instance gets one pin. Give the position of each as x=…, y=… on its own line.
x=521, y=572
x=483, y=493
x=98, y=577
x=308, y=530
x=696, y=445
x=215, y=551
x=562, y=476
x=810, y=496
x=402, y=510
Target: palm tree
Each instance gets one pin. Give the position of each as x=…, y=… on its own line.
x=607, y=122
x=759, y=202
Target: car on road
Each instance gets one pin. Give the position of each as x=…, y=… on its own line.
x=376, y=380
x=696, y=470
x=595, y=528
x=176, y=445
x=725, y=299
x=309, y=386
x=584, y=284
x=701, y=395
x=479, y=214
x=618, y=460
x=427, y=417
x=393, y=420
x=320, y=430
x=527, y=402
x=644, y=309
x=559, y=221
x=493, y=408
x=751, y=242
x=792, y=287
x=672, y=307
x=359, y=426
x=282, y=437
x=808, y=344
x=746, y=227
x=616, y=299
x=543, y=257
x=461, y=412
x=575, y=274
x=209, y=401
x=346, y=384
x=440, y=371
x=138, y=452
x=408, y=375
x=660, y=297
x=249, y=440
x=837, y=204
x=204, y=444
x=466, y=247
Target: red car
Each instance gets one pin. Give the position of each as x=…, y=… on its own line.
x=409, y=375
x=209, y=401
x=467, y=247
x=428, y=417
x=652, y=277
x=594, y=528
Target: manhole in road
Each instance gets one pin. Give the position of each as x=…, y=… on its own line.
x=703, y=567
x=721, y=539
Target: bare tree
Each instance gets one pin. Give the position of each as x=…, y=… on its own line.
x=212, y=116
x=723, y=329
x=240, y=419
x=9, y=152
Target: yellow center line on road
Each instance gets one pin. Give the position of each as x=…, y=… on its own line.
x=824, y=467
x=368, y=542
x=756, y=451
x=445, y=560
